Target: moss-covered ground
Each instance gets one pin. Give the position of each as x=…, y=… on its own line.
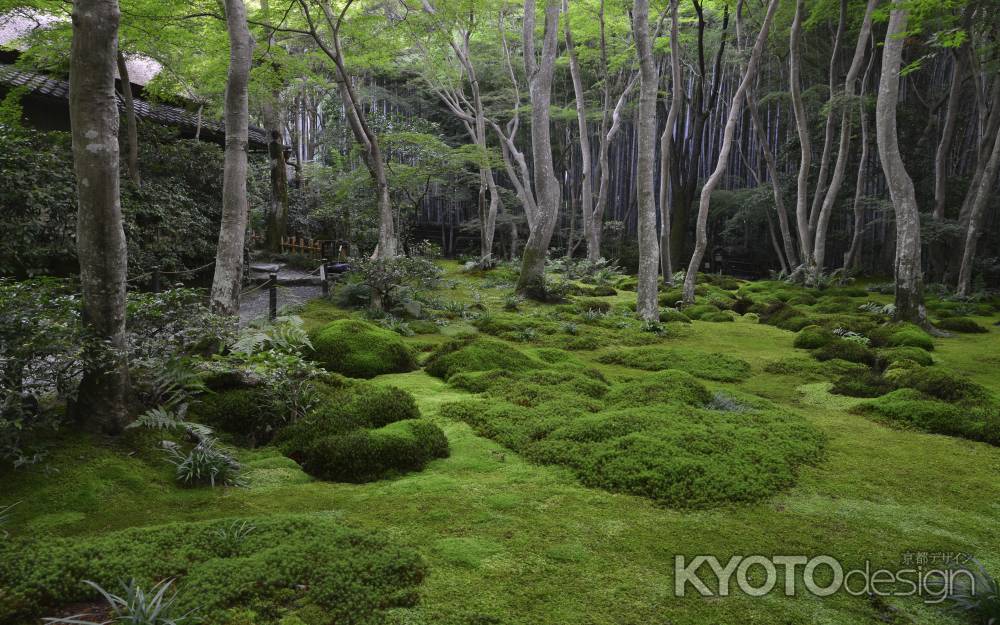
x=510, y=541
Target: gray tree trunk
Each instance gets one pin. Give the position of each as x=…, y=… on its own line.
x=840, y=168
x=547, y=190
x=225, y=296
x=852, y=258
x=824, y=161
x=131, y=127
x=276, y=220
x=667, y=146
x=909, y=279
x=100, y=236
x=802, y=127
x=587, y=183
x=986, y=185
x=649, y=250
x=788, y=242
x=735, y=113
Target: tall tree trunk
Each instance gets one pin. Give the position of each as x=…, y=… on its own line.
x=276, y=220
x=852, y=258
x=802, y=127
x=788, y=241
x=232, y=233
x=649, y=252
x=100, y=235
x=948, y=131
x=909, y=279
x=840, y=168
x=131, y=127
x=587, y=183
x=667, y=146
x=986, y=185
x=735, y=113
x=547, y=189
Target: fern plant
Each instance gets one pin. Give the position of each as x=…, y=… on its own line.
x=205, y=463
x=135, y=606
x=285, y=334
x=5, y=514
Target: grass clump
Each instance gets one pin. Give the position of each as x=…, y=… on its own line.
x=287, y=564
x=662, y=436
x=909, y=408
x=361, y=350
x=476, y=354
x=707, y=365
x=363, y=433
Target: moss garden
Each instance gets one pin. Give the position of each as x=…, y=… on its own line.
x=484, y=459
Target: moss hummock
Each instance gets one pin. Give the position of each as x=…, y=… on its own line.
x=361, y=350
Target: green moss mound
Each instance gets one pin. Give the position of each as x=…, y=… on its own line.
x=698, y=311
x=891, y=355
x=364, y=433
x=781, y=315
x=672, y=314
x=286, y=564
x=361, y=350
x=936, y=382
x=707, y=365
x=249, y=415
x=584, y=304
x=910, y=336
x=813, y=337
x=909, y=408
x=476, y=354
x=718, y=317
x=663, y=436
x=843, y=349
x=961, y=324
x=867, y=384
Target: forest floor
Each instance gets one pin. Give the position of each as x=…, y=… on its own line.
x=510, y=541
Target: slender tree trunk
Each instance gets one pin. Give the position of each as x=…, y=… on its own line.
x=735, y=113
x=788, y=241
x=986, y=185
x=909, y=279
x=131, y=127
x=232, y=233
x=852, y=259
x=802, y=127
x=667, y=146
x=840, y=168
x=947, y=132
x=276, y=220
x=587, y=184
x=532, y=279
x=649, y=80
x=824, y=161
x=103, y=393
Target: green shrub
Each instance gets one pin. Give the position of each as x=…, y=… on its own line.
x=812, y=337
x=842, y=349
x=910, y=408
x=961, y=324
x=361, y=350
x=287, y=561
x=248, y=414
x=672, y=314
x=476, y=354
x=889, y=355
x=937, y=382
x=363, y=455
x=707, y=365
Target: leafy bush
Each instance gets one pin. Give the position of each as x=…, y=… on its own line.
x=361, y=350
x=476, y=354
x=909, y=408
x=388, y=279
x=289, y=562
x=813, y=337
x=961, y=324
x=285, y=334
x=205, y=463
x=708, y=365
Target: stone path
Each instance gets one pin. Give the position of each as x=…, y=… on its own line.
x=294, y=287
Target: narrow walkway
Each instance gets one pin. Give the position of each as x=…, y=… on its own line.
x=294, y=287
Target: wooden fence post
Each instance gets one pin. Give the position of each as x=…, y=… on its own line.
x=272, y=297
